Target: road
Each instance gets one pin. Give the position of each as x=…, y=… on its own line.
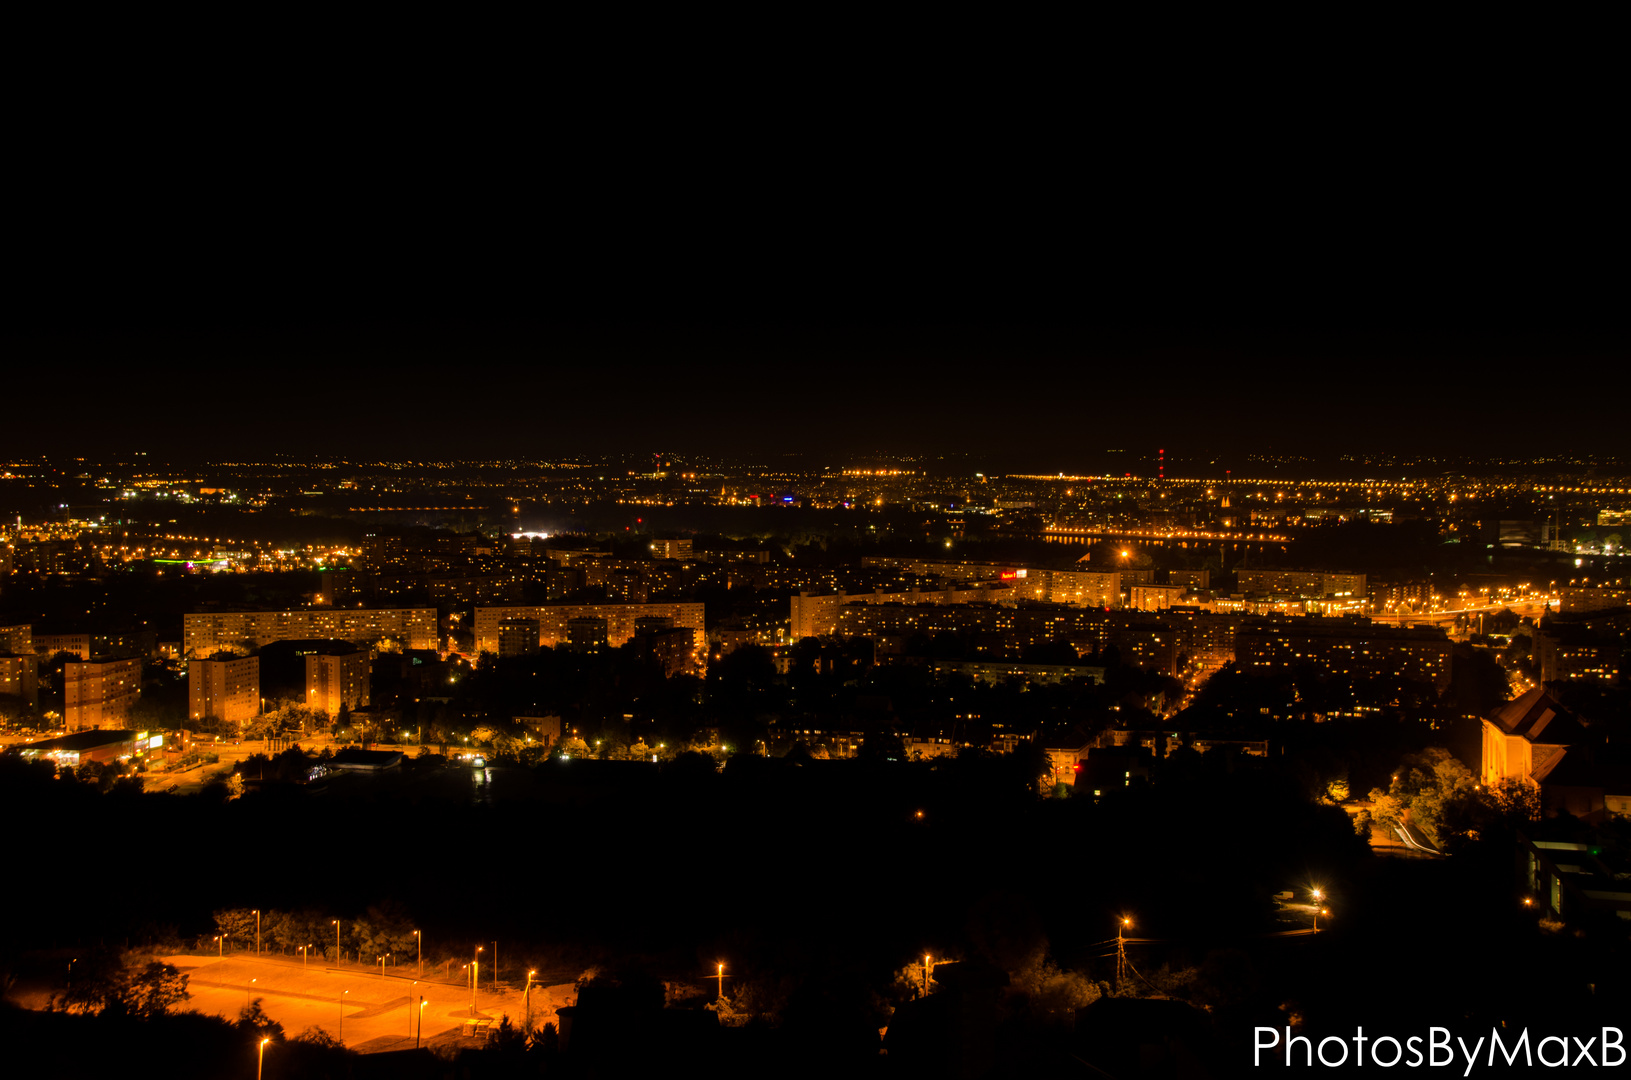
x=368, y=1011
x=1534, y=607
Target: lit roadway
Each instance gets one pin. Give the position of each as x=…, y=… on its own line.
x=1168, y=534
x=377, y=1008
x=1533, y=606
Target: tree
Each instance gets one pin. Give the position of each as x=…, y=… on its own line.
x=253, y=1021
x=316, y=1036
x=385, y=929
x=1516, y=800
x=102, y=982
x=237, y=924
x=1431, y=789
x=151, y=990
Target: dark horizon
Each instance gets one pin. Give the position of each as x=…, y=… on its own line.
x=1025, y=395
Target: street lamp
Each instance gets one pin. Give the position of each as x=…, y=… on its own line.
x=257, y=932
x=419, y=947
x=343, y=993
x=220, y=946
x=302, y=952
x=1121, y=949
x=421, y=1031
x=720, y=974
x=336, y=923
x=925, y=974
x=247, y=987
x=526, y=996
x=475, y=978
x=1317, y=913
x=260, y=1062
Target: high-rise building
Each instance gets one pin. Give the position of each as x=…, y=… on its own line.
x=1344, y=647
x=99, y=694
x=1085, y=588
x=670, y=649
x=49, y=645
x=17, y=640
x=586, y=632
x=337, y=679
x=517, y=637
x=671, y=549
x=1303, y=584
x=225, y=687
x=1153, y=597
x=553, y=620
x=207, y=633
x=19, y=679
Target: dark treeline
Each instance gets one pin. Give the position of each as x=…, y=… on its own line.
x=820, y=884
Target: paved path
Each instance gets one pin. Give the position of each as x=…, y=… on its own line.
x=367, y=1011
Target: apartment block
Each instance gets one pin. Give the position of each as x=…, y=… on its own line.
x=339, y=679
x=226, y=687
x=99, y=694
x=207, y=633
x=553, y=620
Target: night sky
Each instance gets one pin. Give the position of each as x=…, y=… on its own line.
x=1036, y=285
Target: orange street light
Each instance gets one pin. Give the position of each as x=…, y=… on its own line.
x=720, y=974
x=260, y=1062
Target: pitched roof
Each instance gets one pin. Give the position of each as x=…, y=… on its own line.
x=1540, y=718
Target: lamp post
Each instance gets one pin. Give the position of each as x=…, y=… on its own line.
x=925, y=975
x=336, y=923
x=421, y=1031
x=302, y=952
x=720, y=975
x=247, y=988
x=419, y=948
x=526, y=997
x=475, y=978
x=220, y=946
x=1317, y=913
x=257, y=932
x=260, y=1062
x=1121, y=950
x=495, y=967
x=343, y=993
